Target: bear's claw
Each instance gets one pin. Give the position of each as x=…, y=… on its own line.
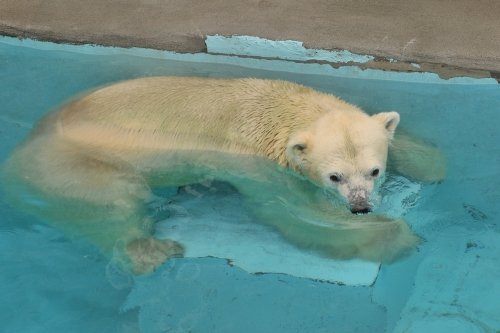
x=146, y=254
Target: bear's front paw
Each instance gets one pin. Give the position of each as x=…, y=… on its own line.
x=146, y=254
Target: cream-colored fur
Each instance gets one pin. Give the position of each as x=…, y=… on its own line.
x=90, y=166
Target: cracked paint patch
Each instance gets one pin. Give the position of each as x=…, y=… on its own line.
x=282, y=49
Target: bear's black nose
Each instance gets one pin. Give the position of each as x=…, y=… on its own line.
x=360, y=210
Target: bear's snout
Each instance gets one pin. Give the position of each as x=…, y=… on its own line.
x=358, y=201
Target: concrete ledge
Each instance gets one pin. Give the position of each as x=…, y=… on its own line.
x=460, y=33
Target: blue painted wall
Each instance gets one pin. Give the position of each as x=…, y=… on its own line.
x=66, y=286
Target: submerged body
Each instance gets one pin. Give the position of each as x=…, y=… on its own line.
x=100, y=155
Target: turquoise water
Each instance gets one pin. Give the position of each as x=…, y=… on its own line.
x=51, y=284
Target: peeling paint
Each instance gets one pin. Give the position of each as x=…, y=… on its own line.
x=282, y=49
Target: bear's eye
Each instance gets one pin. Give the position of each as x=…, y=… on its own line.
x=335, y=178
x=375, y=172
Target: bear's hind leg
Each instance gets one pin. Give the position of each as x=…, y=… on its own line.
x=91, y=196
x=416, y=159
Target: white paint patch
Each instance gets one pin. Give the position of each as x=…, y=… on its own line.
x=282, y=49
x=228, y=233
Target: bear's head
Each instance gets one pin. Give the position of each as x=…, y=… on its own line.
x=345, y=151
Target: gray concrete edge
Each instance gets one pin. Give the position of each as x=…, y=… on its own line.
x=197, y=44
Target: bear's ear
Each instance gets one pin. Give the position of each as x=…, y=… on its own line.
x=390, y=120
x=297, y=148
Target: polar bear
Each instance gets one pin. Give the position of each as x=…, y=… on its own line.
x=307, y=163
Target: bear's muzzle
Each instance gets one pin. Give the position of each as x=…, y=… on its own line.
x=359, y=201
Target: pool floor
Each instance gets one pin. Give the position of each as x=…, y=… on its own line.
x=51, y=284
